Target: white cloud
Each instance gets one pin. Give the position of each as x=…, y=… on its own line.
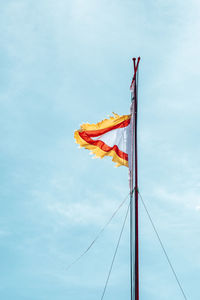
x=187, y=198
x=95, y=212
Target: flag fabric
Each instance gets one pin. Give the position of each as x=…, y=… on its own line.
x=111, y=137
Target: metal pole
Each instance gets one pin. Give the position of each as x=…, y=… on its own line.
x=136, y=192
x=134, y=258
x=131, y=199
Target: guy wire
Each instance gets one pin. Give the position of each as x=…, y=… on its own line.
x=163, y=248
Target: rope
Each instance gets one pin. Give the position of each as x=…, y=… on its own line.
x=111, y=266
x=163, y=248
x=98, y=235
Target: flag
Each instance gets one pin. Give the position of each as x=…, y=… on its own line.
x=111, y=137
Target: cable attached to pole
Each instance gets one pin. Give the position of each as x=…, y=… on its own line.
x=115, y=253
x=163, y=248
x=98, y=235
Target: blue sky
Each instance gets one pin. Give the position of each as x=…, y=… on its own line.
x=67, y=62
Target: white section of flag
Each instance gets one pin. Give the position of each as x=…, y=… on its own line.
x=119, y=137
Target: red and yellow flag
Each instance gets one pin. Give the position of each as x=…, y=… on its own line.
x=111, y=137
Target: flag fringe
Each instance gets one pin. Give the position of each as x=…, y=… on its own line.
x=112, y=121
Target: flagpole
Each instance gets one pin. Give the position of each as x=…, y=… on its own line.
x=136, y=194
x=131, y=199
x=134, y=162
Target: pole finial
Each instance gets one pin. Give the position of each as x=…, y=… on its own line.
x=135, y=71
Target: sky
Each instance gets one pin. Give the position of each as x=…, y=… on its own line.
x=67, y=62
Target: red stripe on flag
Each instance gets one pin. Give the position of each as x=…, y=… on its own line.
x=94, y=133
x=103, y=146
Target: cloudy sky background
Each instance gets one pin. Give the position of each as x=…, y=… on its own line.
x=67, y=62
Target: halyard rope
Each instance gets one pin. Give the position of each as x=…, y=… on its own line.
x=115, y=253
x=98, y=235
x=163, y=248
